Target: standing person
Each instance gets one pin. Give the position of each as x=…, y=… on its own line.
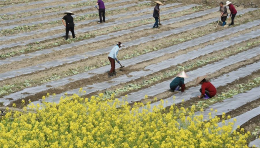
x=224, y=14
x=233, y=12
x=156, y=14
x=113, y=57
x=101, y=10
x=178, y=82
x=207, y=89
x=68, y=22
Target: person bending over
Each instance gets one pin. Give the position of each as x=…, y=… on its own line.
x=178, y=82
x=207, y=89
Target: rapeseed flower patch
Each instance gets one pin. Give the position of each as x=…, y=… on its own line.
x=93, y=122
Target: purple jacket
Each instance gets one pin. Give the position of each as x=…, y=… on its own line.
x=101, y=4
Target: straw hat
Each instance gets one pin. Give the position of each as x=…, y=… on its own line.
x=158, y=2
x=182, y=75
x=228, y=2
x=69, y=12
x=199, y=79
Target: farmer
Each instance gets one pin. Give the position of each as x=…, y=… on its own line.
x=156, y=14
x=207, y=89
x=178, y=82
x=233, y=12
x=113, y=57
x=68, y=22
x=223, y=13
x=101, y=10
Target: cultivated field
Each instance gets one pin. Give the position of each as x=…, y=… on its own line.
x=38, y=65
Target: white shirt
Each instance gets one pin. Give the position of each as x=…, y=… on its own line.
x=113, y=53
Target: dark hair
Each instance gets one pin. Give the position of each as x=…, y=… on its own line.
x=221, y=3
x=69, y=14
x=204, y=80
x=119, y=43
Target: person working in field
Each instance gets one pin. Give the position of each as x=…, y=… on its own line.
x=101, y=10
x=68, y=22
x=207, y=89
x=156, y=14
x=113, y=57
x=178, y=82
x=223, y=13
x=233, y=12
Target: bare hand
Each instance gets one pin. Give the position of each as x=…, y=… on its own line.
x=198, y=96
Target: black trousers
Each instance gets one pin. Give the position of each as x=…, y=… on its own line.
x=223, y=18
x=207, y=93
x=70, y=28
x=102, y=15
x=232, y=18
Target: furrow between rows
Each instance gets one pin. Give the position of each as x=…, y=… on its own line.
x=152, y=69
x=220, y=81
x=149, y=56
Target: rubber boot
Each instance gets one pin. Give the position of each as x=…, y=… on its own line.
x=206, y=96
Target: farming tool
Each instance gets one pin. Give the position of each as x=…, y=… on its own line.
x=160, y=21
x=121, y=66
x=217, y=23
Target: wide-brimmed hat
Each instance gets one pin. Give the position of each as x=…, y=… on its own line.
x=228, y=2
x=199, y=79
x=182, y=75
x=158, y=2
x=68, y=12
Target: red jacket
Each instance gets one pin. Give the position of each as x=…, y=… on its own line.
x=232, y=9
x=209, y=87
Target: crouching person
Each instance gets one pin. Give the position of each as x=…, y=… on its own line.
x=207, y=89
x=113, y=57
x=178, y=82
